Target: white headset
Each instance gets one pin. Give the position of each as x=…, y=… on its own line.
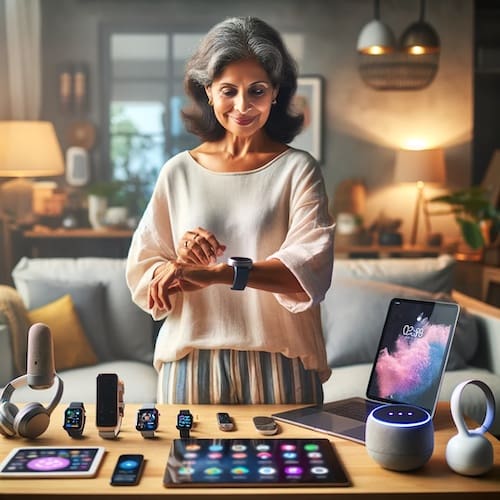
x=33, y=419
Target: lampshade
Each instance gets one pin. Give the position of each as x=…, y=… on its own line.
x=29, y=149
x=376, y=37
x=425, y=165
x=420, y=37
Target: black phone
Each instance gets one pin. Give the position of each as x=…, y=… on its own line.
x=128, y=470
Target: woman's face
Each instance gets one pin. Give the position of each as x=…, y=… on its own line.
x=242, y=97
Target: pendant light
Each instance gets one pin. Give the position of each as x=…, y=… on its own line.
x=376, y=37
x=420, y=37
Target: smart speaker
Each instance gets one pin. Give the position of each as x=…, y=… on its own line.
x=77, y=166
x=469, y=452
x=399, y=437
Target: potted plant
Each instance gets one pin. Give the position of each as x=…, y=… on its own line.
x=102, y=195
x=478, y=218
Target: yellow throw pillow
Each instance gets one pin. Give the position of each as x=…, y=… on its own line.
x=71, y=347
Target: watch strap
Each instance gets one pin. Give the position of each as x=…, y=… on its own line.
x=184, y=433
x=240, y=278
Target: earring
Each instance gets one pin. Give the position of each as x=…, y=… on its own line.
x=274, y=101
x=210, y=102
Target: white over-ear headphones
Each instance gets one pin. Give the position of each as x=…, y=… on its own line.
x=469, y=452
x=33, y=419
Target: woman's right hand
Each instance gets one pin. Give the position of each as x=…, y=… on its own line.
x=199, y=246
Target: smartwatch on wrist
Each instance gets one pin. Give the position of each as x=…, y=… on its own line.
x=184, y=423
x=110, y=405
x=74, y=419
x=241, y=267
x=147, y=420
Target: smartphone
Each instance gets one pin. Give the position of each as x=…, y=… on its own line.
x=128, y=470
x=224, y=421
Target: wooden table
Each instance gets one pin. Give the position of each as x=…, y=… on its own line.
x=369, y=480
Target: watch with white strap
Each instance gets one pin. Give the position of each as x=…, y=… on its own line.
x=110, y=406
x=147, y=420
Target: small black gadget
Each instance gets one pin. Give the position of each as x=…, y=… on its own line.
x=265, y=425
x=253, y=462
x=147, y=420
x=128, y=470
x=184, y=423
x=224, y=421
x=74, y=419
x=109, y=407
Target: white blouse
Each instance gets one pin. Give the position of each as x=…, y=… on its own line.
x=278, y=211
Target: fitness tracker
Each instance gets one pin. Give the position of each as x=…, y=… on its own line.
x=74, y=419
x=110, y=406
x=184, y=423
x=147, y=420
x=241, y=267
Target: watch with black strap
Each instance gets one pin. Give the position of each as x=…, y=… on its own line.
x=74, y=419
x=184, y=423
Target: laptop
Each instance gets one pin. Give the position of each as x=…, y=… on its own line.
x=408, y=369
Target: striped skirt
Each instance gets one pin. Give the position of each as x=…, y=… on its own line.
x=238, y=377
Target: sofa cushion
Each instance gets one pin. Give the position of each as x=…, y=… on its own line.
x=353, y=315
x=431, y=274
x=87, y=297
x=128, y=329
x=71, y=347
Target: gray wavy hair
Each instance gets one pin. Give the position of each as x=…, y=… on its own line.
x=233, y=40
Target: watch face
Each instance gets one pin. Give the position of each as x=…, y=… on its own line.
x=73, y=418
x=147, y=419
x=184, y=421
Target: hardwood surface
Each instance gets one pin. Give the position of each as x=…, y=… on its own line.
x=369, y=480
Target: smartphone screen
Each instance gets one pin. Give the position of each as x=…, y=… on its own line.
x=128, y=470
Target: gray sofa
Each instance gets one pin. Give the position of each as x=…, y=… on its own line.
x=122, y=336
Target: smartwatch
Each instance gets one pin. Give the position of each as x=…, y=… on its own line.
x=241, y=267
x=184, y=423
x=110, y=406
x=74, y=419
x=147, y=420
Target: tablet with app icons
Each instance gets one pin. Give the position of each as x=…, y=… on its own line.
x=254, y=462
x=52, y=462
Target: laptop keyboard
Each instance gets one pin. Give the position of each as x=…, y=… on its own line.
x=358, y=410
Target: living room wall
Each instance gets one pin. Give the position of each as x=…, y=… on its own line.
x=363, y=128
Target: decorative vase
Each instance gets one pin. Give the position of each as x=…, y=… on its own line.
x=97, y=206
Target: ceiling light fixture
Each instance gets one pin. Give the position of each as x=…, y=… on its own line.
x=412, y=65
x=420, y=37
x=376, y=37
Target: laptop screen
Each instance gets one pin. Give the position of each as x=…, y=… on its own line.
x=413, y=352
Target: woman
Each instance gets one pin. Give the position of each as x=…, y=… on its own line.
x=248, y=333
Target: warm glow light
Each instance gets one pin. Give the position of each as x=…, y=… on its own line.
x=415, y=143
x=416, y=50
x=376, y=50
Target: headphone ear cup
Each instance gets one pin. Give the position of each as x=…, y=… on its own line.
x=31, y=421
x=8, y=412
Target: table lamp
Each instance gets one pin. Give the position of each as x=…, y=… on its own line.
x=27, y=149
x=420, y=167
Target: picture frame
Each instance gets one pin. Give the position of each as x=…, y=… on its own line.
x=309, y=100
